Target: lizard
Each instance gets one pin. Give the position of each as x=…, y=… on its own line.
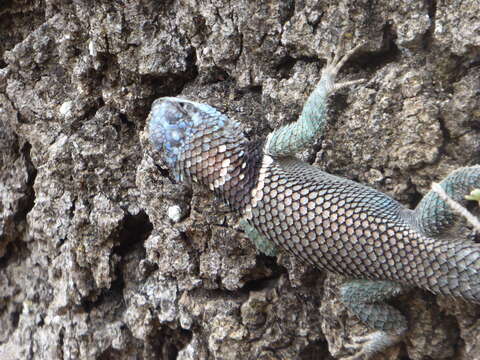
x=335, y=224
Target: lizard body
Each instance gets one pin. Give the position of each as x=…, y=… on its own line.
x=332, y=223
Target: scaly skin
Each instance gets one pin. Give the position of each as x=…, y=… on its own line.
x=333, y=223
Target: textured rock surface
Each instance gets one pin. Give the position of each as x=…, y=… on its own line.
x=91, y=264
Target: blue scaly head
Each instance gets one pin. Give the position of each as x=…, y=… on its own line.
x=195, y=138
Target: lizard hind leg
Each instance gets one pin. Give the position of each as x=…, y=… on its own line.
x=364, y=298
x=433, y=215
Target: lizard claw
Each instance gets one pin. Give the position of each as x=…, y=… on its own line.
x=371, y=344
x=341, y=56
x=335, y=63
x=348, y=83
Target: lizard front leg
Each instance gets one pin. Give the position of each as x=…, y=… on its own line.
x=295, y=137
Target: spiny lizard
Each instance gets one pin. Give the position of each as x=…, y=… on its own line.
x=333, y=223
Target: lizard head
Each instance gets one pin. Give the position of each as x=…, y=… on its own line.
x=191, y=136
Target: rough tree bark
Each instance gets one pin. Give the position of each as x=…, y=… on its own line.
x=91, y=267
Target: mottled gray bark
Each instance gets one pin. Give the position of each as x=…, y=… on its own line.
x=92, y=267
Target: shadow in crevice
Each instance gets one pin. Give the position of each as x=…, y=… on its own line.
x=130, y=237
x=135, y=229
x=167, y=342
x=28, y=201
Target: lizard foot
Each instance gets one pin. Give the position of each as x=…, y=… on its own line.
x=262, y=244
x=371, y=344
x=335, y=63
